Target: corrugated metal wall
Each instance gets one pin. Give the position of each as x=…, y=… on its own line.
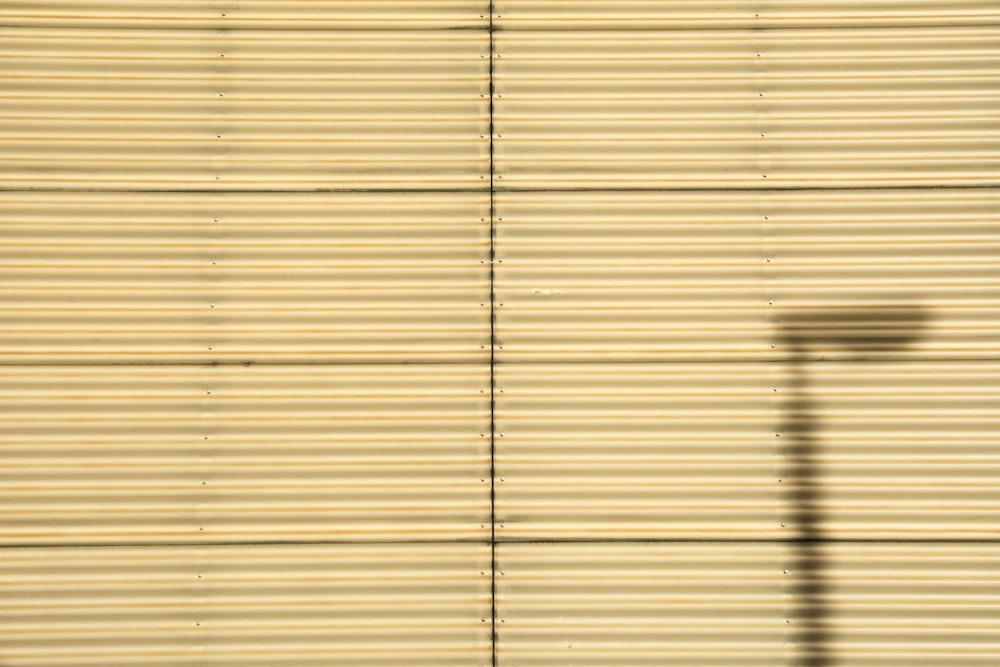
x=526, y=333
x=748, y=317
x=245, y=358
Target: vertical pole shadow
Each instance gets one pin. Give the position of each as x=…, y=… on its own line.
x=859, y=330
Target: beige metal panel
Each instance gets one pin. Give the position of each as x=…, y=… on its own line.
x=267, y=110
x=899, y=449
x=260, y=14
x=247, y=605
x=640, y=604
x=588, y=276
x=915, y=604
x=244, y=277
x=144, y=454
x=674, y=14
x=726, y=275
x=599, y=451
x=748, y=109
x=734, y=604
x=694, y=451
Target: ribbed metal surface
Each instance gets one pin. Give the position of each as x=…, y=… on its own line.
x=639, y=604
x=693, y=451
x=151, y=454
x=682, y=276
x=720, y=604
x=250, y=605
x=688, y=14
x=185, y=277
x=151, y=109
x=254, y=14
x=750, y=109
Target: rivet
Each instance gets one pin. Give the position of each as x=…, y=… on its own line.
x=501, y=435
x=201, y=528
x=222, y=94
x=770, y=303
x=500, y=261
x=773, y=346
x=482, y=391
x=204, y=484
x=502, y=573
x=482, y=479
x=782, y=525
x=501, y=347
x=503, y=479
x=217, y=177
x=777, y=435
x=765, y=175
x=197, y=622
x=212, y=305
x=199, y=575
x=768, y=259
x=503, y=620
x=210, y=348
x=204, y=437
x=784, y=571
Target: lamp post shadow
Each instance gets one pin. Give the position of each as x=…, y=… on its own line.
x=886, y=328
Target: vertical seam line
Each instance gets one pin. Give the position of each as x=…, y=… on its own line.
x=493, y=344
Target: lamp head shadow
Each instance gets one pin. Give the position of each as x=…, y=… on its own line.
x=875, y=328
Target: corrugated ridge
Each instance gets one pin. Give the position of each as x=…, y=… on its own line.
x=249, y=14
x=711, y=604
x=688, y=276
x=244, y=454
x=154, y=110
x=900, y=450
x=692, y=14
x=790, y=108
x=133, y=277
x=344, y=604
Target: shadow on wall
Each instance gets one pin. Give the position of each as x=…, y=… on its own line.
x=811, y=335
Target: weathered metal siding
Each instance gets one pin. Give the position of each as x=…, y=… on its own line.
x=747, y=333
x=724, y=604
x=250, y=276
x=712, y=291
x=261, y=606
x=144, y=109
x=245, y=359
